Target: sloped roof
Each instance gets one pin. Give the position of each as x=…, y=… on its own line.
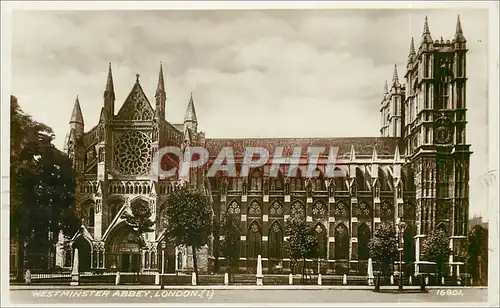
x=363, y=146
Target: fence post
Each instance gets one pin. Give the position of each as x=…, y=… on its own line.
x=27, y=277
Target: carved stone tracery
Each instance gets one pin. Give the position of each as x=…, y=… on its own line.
x=133, y=153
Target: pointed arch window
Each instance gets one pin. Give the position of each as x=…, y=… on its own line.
x=254, y=240
x=321, y=238
x=276, y=209
x=364, y=235
x=298, y=211
x=275, y=240
x=256, y=181
x=341, y=210
x=319, y=210
x=89, y=211
x=233, y=208
x=386, y=211
x=254, y=210
x=341, y=242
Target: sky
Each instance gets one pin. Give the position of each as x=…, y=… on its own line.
x=267, y=73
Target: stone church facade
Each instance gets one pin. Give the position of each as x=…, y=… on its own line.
x=417, y=171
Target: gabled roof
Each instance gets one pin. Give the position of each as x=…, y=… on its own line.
x=136, y=106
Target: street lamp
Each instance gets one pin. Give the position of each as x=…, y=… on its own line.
x=402, y=227
x=163, y=246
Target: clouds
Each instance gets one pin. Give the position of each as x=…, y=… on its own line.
x=252, y=73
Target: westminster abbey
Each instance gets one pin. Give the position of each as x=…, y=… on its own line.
x=416, y=171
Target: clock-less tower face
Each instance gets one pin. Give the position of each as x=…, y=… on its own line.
x=132, y=153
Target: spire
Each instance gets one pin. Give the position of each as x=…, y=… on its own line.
x=426, y=35
x=459, y=34
x=160, y=89
x=412, y=50
x=190, y=111
x=110, y=89
x=395, y=77
x=76, y=115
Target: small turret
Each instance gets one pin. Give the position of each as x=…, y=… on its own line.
x=459, y=34
x=76, y=122
x=190, y=119
x=395, y=78
x=426, y=35
x=411, y=54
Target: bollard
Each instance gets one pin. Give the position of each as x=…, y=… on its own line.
x=344, y=281
x=226, y=278
x=422, y=283
x=157, y=278
x=426, y=280
x=117, y=278
x=193, y=279
x=290, y=279
x=320, y=282
x=27, y=277
x=410, y=280
x=392, y=279
x=442, y=280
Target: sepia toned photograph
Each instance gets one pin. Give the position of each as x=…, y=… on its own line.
x=211, y=154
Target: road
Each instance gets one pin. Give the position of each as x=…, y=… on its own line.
x=243, y=296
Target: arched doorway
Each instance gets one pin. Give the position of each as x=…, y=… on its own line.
x=122, y=250
x=84, y=250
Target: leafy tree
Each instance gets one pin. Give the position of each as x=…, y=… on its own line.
x=230, y=245
x=436, y=248
x=302, y=243
x=383, y=247
x=189, y=219
x=477, y=253
x=42, y=189
x=139, y=220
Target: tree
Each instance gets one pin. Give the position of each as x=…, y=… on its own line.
x=301, y=243
x=477, y=253
x=230, y=245
x=42, y=189
x=436, y=248
x=189, y=219
x=140, y=222
x=383, y=247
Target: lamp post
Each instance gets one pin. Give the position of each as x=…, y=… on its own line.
x=402, y=227
x=163, y=245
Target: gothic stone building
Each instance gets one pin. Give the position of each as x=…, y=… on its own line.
x=416, y=171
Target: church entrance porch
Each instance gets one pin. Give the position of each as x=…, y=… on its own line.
x=123, y=252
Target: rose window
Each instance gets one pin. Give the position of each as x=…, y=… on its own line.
x=133, y=153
